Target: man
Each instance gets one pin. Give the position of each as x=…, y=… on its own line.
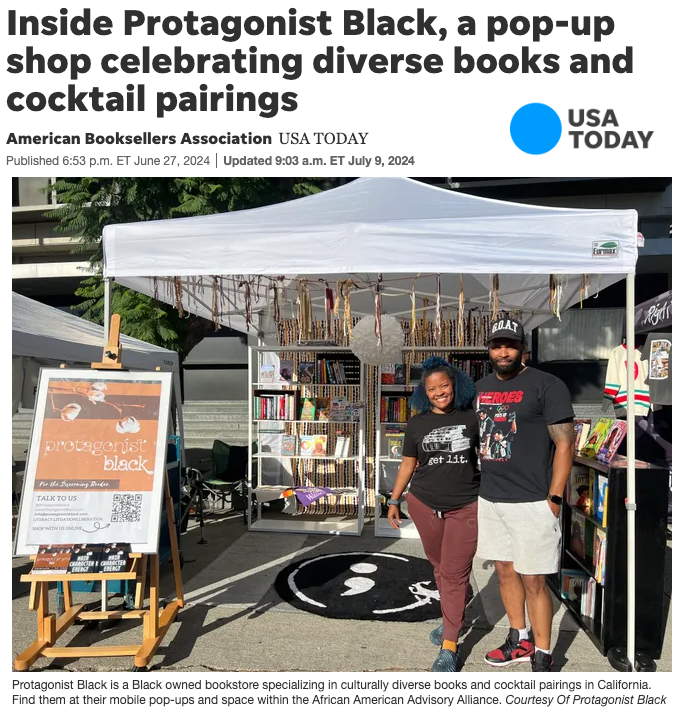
x=521, y=494
x=486, y=425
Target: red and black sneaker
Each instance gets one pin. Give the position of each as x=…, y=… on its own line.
x=542, y=662
x=512, y=650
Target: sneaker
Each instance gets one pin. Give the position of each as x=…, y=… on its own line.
x=436, y=636
x=512, y=650
x=447, y=661
x=542, y=662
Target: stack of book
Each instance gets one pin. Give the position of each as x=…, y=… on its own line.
x=604, y=439
x=274, y=407
x=394, y=408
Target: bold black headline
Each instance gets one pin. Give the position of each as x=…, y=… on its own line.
x=326, y=60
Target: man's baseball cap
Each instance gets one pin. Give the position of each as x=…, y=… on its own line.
x=506, y=328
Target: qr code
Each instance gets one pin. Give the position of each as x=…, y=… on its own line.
x=126, y=508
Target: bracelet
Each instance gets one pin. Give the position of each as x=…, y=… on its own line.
x=393, y=502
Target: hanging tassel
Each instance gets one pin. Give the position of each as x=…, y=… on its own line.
x=328, y=306
x=412, y=316
x=179, y=296
x=461, y=312
x=348, y=319
x=437, y=317
x=247, y=303
x=552, y=294
x=338, y=296
x=494, y=297
x=378, y=310
x=215, y=303
x=156, y=286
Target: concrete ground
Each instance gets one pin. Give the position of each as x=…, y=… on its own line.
x=234, y=621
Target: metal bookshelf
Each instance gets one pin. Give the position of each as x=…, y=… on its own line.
x=272, y=471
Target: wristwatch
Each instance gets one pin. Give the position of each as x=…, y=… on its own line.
x=555, y=499
x=393, y=502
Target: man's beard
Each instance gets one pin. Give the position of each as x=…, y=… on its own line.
x=509, y=369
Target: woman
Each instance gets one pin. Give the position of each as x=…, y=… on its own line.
x=440, y=454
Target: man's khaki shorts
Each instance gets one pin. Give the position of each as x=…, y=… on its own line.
x=526, y=533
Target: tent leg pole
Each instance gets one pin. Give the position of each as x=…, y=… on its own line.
x=631, y=489
x=107, y=283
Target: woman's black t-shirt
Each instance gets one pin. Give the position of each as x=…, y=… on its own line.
x=445, y=446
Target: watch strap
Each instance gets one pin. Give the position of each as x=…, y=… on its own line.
x=393, y=502
x=554, y=498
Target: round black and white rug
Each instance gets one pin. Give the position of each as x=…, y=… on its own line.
x=362, y=586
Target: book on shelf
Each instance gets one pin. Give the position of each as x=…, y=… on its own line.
x=342, y=446
x=308, y=409
x=394, y=428
x=286, y=371
x=571, y=574
x=600, y=497
x=267, y=373
x=313, y=445
x=613, y=440
x=578, y=488
x=306, y=372
x=596, y=437
x=395, y=447
x=323, y=409
x=577, y=534
x=599, y=559
x=288, y=445
x=388, y=374
x=577, y=585
x=339, y=409
x=415, y=373
x=582, y=427
x=274, y=407
x=394, y=408
x=52, y=559
x=400, y=374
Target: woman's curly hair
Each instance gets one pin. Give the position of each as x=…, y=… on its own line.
x=463, y=387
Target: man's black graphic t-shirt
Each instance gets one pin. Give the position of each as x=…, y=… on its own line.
x=515, y=448
x=447, y=477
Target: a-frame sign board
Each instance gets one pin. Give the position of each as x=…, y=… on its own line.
x=141, y=567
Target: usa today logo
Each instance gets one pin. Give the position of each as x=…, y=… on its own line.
x=537, y=128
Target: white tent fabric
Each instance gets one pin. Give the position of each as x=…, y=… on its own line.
x=373, y=225
x=49, y=336
x=40, y=331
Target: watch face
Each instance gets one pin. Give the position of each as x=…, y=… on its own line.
x=556, y=499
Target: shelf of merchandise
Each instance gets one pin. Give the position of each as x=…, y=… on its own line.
x=382, y=527
x=313, y=469
x=607, y=626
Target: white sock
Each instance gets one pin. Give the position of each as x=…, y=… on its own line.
x=524, y=634
x=543, y=651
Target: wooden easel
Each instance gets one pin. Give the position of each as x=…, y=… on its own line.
x=156, y=622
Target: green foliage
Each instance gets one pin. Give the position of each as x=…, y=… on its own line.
x=87, y=205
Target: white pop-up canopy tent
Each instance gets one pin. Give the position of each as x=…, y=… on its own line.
x=223, y=266
x=49, y=336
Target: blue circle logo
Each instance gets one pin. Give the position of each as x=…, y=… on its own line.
x=535, y=128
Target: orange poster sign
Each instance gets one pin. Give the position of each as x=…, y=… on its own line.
x=97, y=458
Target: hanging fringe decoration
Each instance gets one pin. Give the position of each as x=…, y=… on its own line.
x=337, y=299
x=156, y=287
x=461, y=312
x=179, y=296
x=304, y=311
x=328, y=306
x=276, y=305
x=412, y=316
x=348, y=319
x=555, y=295
x=494, y=297
x=437, y=318
x=215, y=303
x=247, y=298
x=584, y=289
x=378, y=310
